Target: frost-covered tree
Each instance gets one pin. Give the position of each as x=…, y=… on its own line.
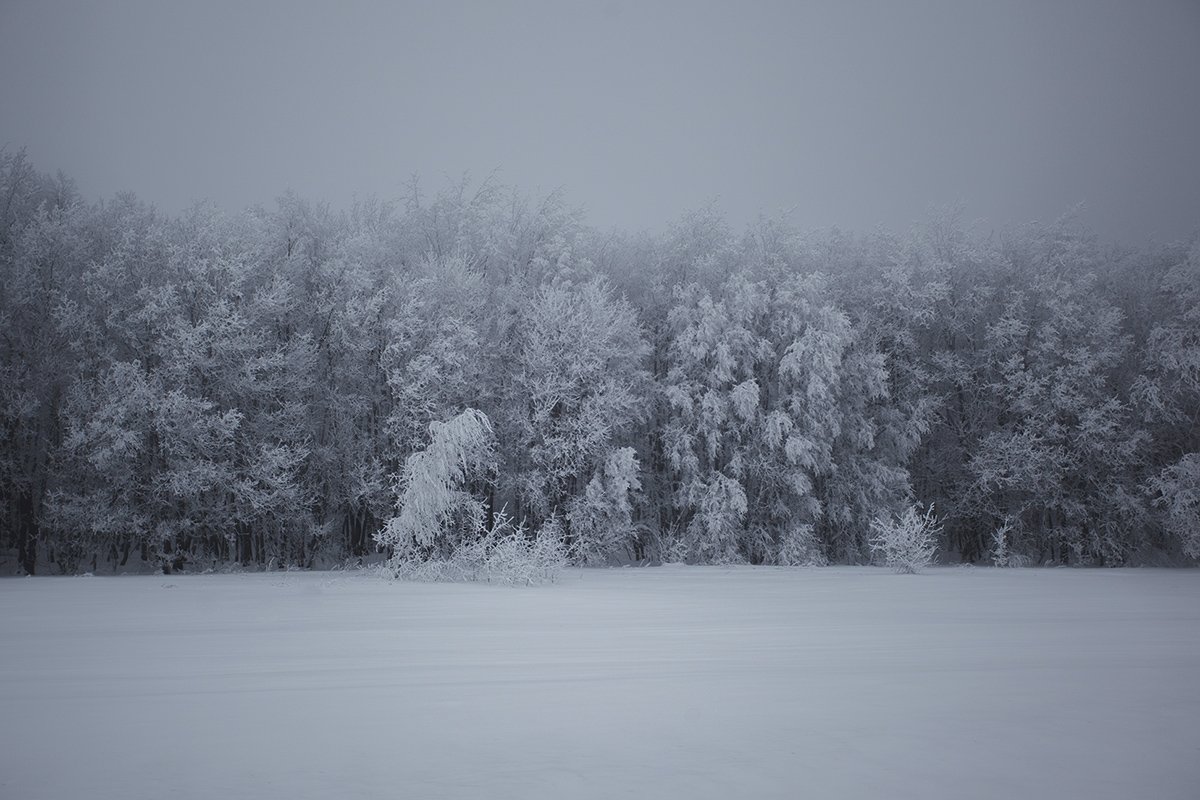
x=791, y=450
x=142, y=466
x=778, y=407
x=437, y=509
x=1177, y=490
x=433, y=352
x=442, y=531
x=713, y=406
x=601, y=518
x=888, y=287
x=333, y=278
x=575, y=393
x=1058, y=460
x=1168, y=394
x=43, y=246
x=806, y=381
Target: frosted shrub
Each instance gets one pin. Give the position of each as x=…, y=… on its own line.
x=505, y=554
x=517, y=560
x=1001, y=557
x=907, y=542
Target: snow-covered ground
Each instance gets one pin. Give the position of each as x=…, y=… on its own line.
x=668, y=682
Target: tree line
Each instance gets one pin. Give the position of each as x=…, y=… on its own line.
x=213, y=388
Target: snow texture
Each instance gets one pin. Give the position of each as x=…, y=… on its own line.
x=688, y=682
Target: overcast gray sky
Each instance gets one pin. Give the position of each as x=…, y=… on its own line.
x=850, y=113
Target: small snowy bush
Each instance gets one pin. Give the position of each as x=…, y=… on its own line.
x=1001, y=539
x=517, y=560
x=907, y=542
x=505, y=554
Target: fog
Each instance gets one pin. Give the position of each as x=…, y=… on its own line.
x=850, y=114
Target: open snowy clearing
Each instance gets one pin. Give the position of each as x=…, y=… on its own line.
x=668, y=682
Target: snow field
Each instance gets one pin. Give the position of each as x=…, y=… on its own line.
x=664, y=682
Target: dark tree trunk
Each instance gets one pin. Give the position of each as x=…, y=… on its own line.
x=26, y=527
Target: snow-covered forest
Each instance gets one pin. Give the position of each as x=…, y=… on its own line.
x=264, y=388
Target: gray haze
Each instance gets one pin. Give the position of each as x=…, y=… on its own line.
x=848, y=113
